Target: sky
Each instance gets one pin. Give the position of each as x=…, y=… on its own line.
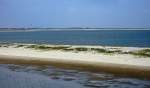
x=74, y=13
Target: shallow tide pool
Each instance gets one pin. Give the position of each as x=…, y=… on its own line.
x=45, y=76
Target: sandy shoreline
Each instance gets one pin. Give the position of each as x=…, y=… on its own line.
x=116, y=63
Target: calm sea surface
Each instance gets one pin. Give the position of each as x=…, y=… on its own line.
x=138, y=38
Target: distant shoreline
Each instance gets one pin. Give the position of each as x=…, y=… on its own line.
x=64, y=29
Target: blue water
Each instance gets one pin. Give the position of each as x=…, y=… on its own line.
x=136, y=38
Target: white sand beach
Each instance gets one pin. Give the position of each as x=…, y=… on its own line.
x=117, y=61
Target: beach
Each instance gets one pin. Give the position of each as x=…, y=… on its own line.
x=114, y=61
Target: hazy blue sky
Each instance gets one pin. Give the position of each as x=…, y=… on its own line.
x=74, y=13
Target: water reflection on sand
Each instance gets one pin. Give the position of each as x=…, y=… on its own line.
x=31, y=76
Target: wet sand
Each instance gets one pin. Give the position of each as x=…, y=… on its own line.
x=14, y=79
x=47, y=76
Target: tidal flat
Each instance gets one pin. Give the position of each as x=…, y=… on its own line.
x=47, y=76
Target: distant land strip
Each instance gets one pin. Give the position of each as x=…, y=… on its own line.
x=67, y=28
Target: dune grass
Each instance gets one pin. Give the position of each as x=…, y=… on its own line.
x=19, y=46
x=44, y=47
x=81, y=49
x=68, y=49
x=101, y=50
x=142, y=53
x=5, y=46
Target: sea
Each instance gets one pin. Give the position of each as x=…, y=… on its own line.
x=131, y=38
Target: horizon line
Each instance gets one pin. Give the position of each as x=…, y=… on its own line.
x=75, y=28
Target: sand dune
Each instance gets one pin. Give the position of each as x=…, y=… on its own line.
x=123, y=63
